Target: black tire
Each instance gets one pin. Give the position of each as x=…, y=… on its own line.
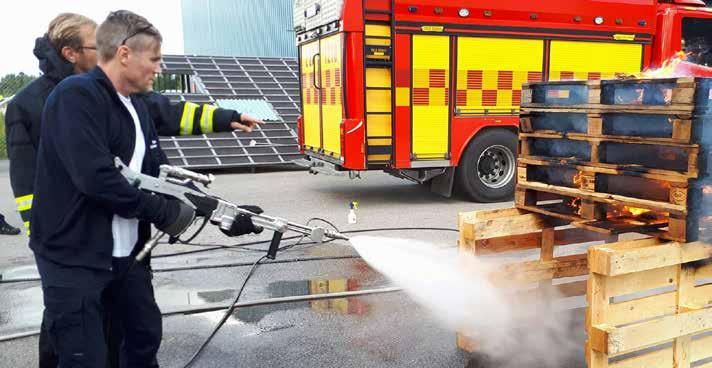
x=494, y=181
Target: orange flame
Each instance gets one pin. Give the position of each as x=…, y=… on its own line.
x=668, y=69
x=635, y=211
x=576, y=205
x=628, y=211
x=578, y=179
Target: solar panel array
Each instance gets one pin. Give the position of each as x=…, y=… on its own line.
x=214, y=78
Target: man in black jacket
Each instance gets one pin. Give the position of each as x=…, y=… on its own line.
x=69, y=48
x=88, y=221
x=69, y=36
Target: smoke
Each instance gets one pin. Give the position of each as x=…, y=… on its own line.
x=562, y=176
x=561, y=122
x=633, y=93
x=638, y=125
x=514, y=329
x=647, y=155
x=563, y=148
x=699, y=198
x=637, y=187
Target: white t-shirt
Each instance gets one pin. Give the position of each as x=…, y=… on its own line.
x=125, y=231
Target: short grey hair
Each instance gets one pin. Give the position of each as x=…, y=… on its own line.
x=123, y=27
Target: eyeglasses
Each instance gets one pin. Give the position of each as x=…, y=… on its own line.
x=88, y=48
x=139, y=31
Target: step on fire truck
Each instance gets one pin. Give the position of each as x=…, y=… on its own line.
x=429, y=90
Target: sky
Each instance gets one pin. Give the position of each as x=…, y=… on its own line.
x=22, y=21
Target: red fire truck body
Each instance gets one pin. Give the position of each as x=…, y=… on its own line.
x=429, y=90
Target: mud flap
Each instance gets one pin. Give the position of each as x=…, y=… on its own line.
x=443, y=184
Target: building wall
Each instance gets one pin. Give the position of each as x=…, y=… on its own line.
x=238, y=28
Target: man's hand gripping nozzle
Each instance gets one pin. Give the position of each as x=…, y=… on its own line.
x=180, y=184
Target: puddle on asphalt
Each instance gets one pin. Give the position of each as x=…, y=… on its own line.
x=21, y=308
x=344, y=306
x=278, y=289
x=19, y=320
x=180, y=298
x=19, y=272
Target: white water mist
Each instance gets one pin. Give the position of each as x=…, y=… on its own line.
x=513, y=329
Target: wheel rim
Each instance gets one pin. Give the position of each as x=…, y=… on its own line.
x=495, y=166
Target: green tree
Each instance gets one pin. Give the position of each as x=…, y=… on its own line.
x=10, y=84
x=167, y=82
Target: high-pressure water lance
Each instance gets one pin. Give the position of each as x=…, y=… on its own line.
x=180, y=183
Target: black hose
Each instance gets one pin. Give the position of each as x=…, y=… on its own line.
x=244, y=247
x=221, y=265
x=239, y=293
x=227, y=314
x=197, y=232
x=243, y=264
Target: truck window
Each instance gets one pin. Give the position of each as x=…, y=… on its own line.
x=697, y=40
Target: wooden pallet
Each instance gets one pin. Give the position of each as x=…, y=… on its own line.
x=643, y=295
x=666, y=220
x=613, y=125
x=638, y=94
x=587, y=167
x=508, y=231
x=618, y=153
x=593, y=192
x=667, y=189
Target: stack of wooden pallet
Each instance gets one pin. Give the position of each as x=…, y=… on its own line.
x=602, y=158
x=613, y=156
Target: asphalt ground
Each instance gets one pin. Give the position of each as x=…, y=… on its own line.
x=384, y=330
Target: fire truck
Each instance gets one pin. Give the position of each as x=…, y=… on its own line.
x=429, y=90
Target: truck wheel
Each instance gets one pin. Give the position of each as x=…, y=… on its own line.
x=487, y=167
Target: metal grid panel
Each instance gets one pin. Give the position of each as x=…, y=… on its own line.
x=274, y=80
x=259, y=109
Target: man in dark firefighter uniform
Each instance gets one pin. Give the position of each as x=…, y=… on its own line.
x=69, y=48
x=88, y=222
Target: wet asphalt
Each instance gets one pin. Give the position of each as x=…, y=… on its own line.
x=384, y=330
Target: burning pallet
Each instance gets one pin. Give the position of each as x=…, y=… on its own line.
x=617, y=156
x=599, y=159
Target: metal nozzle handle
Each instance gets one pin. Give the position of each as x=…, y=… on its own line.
x=178, y=172
x=149, y=246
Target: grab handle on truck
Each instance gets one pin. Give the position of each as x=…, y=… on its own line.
x=314, y=64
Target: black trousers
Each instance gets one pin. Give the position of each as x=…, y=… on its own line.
x=112, y=330
x=76, y=314
x=48, y=358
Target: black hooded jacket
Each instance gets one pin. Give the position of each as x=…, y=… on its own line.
x=23, y=121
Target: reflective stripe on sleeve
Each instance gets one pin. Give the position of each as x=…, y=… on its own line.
x=206, y=119
x=186, y=121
